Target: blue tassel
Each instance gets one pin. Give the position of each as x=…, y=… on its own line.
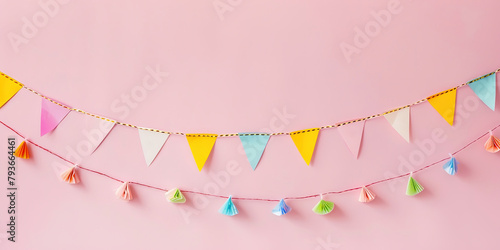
x=282, y=208
x=228, y=208
x=451, y=166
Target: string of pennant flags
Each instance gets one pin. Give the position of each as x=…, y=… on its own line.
x=254, y=144
x=324, y=206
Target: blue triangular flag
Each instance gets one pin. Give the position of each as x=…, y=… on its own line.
x=228, y=208
x=451, y=166
x=485, y=89
x=282, y=208
x=254, y=145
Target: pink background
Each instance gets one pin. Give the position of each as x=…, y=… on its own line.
x=233, y=74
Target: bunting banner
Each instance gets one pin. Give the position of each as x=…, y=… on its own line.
x=7, y=89
x=305, y=141
x=201, y=145
x=254, y=145
x=151, y=143
x=52, y=115
x=444, y=104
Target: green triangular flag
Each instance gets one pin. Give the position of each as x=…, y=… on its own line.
x=413, y=187
x=323, y=207
x=175, y=196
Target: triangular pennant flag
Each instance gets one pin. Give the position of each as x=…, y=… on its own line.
x=323, y=207
x=305, y=141
x=228, y=208
x=254, y=145
x=492, y=145
x=485, y=89
x=400, y=121
x=22, y=151
x=70, y=176
x=52, y=115
x=8, y=88
x=353, y=135
x=451, y=166
x=151, y=143
x=175, y=196
x=366, y=195
x=105, y=127
x=201, y=145
x=413, y=187
x=281, y=209
x=124, y=192
x=444, y=104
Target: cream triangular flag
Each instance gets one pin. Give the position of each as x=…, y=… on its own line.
x=151, y=143
x=400, y=121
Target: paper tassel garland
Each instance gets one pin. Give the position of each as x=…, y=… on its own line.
x=228, y=208
x=492, y=145
x=201, y=145
x=281, y=209
x=323, y=207
x=413, y=187
x=175, y=196
x=444, y=104
x=22, y=151
x=70, y=176
x=124, y=192
x=451, y=166
x=305, y=141
x=366, y=195
x=8, y=89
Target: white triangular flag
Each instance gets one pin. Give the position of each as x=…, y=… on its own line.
x=151, y=142
x=104, y=128
x=400, y=121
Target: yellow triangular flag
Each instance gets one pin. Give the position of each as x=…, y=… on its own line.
x=305, y=141
x=444, y=103
x=8, y=88
x=201, y=145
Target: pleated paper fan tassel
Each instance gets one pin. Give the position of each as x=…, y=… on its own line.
x=281, y=209
x=175, y=196
x=70, y=176
x=492, y=145
x=451, y=166
x=124, y=192
x=22, y=151
x=228, y=208
x=323, y=207
x=413, y=187
x=366, y=195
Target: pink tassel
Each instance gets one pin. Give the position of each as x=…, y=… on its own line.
x=492, y=145
x=124, y=192
x=366, y=195
x=70, y=176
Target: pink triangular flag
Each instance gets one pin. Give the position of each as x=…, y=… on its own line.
x=353, y=134
x=52, y=115
x=104, y=129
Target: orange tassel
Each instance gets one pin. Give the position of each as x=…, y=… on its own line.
x=22, y=151
x=492, y=145
x=124, y=192
x=70, y=176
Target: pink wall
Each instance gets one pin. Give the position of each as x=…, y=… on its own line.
x=233, y=73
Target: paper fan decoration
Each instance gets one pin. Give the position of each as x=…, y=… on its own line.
x=175, y=196
x=22, y=151
x=413, y=187
x=323, y=207
x=451, y=166
x=492, y=145
x=124, y=192
x=366, y=195
x=281, y=209
x=228, y=208
x=70, y=176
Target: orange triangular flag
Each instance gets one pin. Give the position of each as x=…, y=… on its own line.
x=444, y=104
x=70, y=176
x=305, y=141
x=22, y=151
x=366, y=195
x=124, y=192
x=492, y=145
x=201, y=145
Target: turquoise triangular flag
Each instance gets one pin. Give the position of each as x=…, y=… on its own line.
x=485, y=89
x=228, y=208
x=254, y=145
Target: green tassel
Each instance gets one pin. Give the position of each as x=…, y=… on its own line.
x=413, y=187
x=175, y=196
x=323, y=207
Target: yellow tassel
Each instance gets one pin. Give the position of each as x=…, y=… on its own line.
x=22, y=151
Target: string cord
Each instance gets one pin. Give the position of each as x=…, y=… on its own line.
x=250, y=198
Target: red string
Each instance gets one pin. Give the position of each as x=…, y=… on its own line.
x=253, y=199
